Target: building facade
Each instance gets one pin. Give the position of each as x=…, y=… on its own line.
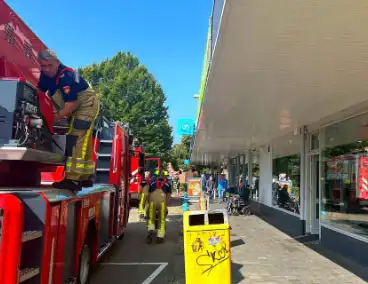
x=285, y=104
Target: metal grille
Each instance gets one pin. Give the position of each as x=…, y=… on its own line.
x=28, y=50
x=9, y=33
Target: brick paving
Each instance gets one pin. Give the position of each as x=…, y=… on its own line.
x=263, y=254
x=260, y=254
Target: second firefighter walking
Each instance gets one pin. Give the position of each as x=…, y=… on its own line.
x=159, y=194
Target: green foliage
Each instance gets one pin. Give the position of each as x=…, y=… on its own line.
x=204, y=170
x=129, y=93
x=350, y=148
x=179, y=153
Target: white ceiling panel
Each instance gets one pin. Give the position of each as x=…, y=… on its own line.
x=279, y=65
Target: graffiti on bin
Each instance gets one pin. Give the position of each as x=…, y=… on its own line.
x=197, y=245
x=213, y=252
x=214, y=240
x=213, y=258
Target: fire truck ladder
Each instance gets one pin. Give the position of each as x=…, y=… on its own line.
x=32, y=239
x=103, y=161
x=22, y=234
x=104, y=153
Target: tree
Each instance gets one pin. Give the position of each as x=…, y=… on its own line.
x=179, y=153
x=129, y=93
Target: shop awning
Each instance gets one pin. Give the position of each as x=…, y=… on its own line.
x=280, y=65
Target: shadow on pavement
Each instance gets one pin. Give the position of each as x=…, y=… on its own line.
x=349, y=264
x=236, y=243
x=236, y=276
x=312, y=242
x=175, y=202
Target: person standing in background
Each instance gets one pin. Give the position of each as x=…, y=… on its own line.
x=203, y=182
x=221, y=187
x=275, y=190
x=210, y=187
x=176, y=183
x=256, y=186
x=289, y=180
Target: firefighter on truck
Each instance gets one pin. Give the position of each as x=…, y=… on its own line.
x=158, y=198
x=74, y=99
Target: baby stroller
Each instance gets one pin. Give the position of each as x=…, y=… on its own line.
x=236, y=206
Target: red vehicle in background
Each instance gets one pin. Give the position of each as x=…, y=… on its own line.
x=152, y=165
x=140, y=164
x=347, y=176
x=49, y=235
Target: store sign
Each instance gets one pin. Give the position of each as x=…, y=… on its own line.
x=186, y=126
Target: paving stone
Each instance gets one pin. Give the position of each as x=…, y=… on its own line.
x=260, y=254
x=270, y=256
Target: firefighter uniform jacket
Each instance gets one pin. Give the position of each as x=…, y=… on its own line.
x=160, y=184
x=67, y=80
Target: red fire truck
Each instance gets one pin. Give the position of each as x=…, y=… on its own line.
x=49, y=235
x=138, y=165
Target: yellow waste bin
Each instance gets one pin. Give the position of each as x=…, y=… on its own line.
x=207, y=247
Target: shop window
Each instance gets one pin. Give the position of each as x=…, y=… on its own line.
x=344, y=174
x=254, y=181
x=286, y=183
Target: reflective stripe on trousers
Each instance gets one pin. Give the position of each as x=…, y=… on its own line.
x=157, y=205
x=143, y=200
x=80, y=165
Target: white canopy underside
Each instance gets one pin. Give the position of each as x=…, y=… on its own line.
x=280, y=65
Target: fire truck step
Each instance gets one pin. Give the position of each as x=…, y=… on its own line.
x=103, y=155
x=103, y=249
x=105, y=147
x=31, y=235
x=102, y=170
x=27, y=154
x=28, y=273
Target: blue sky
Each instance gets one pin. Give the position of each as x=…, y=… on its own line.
x=168, y=36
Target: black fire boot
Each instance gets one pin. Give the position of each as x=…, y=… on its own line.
x=159, y=240
x=87, y=183
x=68, y=184
x=149, y=237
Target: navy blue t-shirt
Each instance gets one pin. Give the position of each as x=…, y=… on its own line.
x=159, y=184
x=67, y=80
x=144, y=182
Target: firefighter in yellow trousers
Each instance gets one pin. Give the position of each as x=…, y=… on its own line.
x=159, y=195
x=144, y=190
x=74, y=99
